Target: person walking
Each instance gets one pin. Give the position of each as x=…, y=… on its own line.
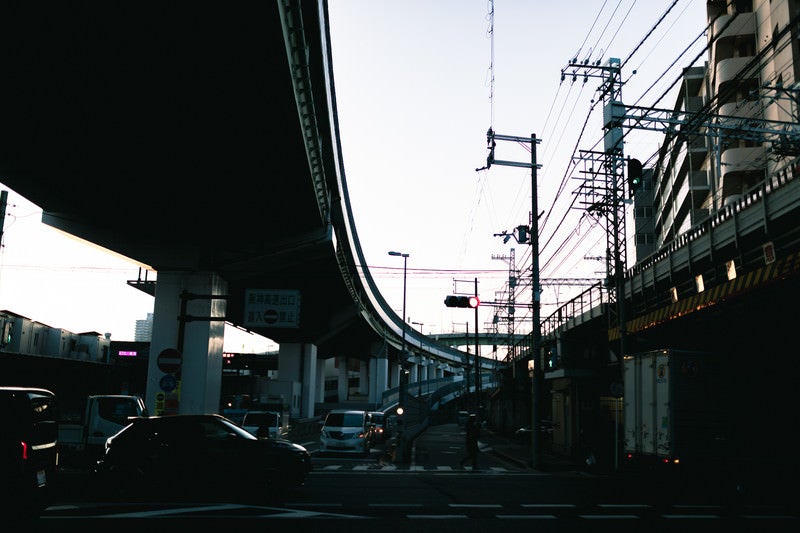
x=471, y=441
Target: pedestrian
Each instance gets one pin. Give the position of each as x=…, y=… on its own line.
x=471, y=441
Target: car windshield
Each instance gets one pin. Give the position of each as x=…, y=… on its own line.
x=344, y=419
x=260, y=419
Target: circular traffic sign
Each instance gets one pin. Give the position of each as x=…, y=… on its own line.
x=270, y=316
x=169, y=360
x=168, y=383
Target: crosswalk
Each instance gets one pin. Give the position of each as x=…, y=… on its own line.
x=395, y=468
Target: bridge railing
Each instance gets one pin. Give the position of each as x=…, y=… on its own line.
x=755, y=194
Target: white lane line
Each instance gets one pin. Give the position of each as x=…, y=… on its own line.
x=548, y=505
x=476, y=505
x=395, y=505
x=691, y=516
x=527, y=516
x=609, y=516
x=436, y=516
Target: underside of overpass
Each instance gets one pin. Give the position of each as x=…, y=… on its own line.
x=200, y=142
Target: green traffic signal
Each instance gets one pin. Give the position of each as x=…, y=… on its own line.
x=634, y=175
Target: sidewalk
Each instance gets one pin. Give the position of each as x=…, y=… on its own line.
x=521, y=454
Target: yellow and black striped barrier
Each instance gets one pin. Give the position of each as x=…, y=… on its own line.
x=779, y=269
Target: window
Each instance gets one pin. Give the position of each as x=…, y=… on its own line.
x=117, y=409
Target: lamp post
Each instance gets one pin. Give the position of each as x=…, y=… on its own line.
x=402, y=392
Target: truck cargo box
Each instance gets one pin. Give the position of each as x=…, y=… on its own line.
x=678, y=408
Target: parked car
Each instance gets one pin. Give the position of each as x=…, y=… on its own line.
x=379, y=430
x=28, y=450
x=197, y=455
x=345, y=431
x=523, y=434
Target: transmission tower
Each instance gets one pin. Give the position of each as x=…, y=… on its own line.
x=509, y=309
x=602, y=193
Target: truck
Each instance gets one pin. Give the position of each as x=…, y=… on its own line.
x=265, y=424
x=82, y=433
x=678, y=410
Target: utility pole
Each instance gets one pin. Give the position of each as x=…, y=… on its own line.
x=477, y=360
x=3, y=202
x=537, y=370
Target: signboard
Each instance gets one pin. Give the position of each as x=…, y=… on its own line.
x=272, y=308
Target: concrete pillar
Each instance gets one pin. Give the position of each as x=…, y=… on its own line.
x=378, y=378
x=363, y=378
x=194, y=387
x=394, y=377
x=342, y=384
x=413, y=375
x=297, y=377
x=319, y=396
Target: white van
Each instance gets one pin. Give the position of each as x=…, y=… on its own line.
x=345, y=430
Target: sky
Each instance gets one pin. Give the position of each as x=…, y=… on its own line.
x=418, y=84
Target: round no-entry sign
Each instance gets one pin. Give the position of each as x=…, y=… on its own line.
x=270, y=316
x=169, y=360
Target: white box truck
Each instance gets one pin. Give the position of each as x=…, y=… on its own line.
x=678, y=410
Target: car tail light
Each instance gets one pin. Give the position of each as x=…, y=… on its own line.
x=24, y=446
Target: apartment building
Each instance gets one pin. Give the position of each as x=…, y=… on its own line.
x=744, y=97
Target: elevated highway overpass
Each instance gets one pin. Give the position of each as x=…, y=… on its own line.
x=205, y=147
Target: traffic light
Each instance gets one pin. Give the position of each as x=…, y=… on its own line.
x=7, y=334
x=634, y=176
x=462, y=301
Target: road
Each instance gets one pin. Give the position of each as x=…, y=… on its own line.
x=432, y=492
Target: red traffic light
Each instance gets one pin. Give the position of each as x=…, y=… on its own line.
x=462, y=301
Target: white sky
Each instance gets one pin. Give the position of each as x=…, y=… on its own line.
x=415, y=98
x=418, y=83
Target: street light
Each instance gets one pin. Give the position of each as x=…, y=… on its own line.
x=420, y=324
x=403, y=385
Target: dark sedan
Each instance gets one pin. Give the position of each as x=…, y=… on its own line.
x=198, y=455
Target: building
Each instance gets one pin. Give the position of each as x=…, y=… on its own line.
x=144, y=329
x=747, y=90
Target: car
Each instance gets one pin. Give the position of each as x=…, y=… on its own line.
x=345, y=430
x=523, y=435
x=263, y=424
x=28, y=450
x=379, y=430
x=197, y=455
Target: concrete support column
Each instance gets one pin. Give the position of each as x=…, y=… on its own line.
x=342, y=384
x=378, y=378
x=194, y=386
x=394, y=377
x=297, y=364
x=413, y=376
x=319, y=396
x=363, y=378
